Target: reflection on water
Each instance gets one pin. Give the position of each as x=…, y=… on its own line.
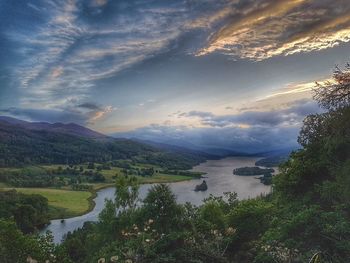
x=220, y=179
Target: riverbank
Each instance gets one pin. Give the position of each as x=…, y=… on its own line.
x=62, y=203
x=219, y=179
x=65, y=203
x=157, y=179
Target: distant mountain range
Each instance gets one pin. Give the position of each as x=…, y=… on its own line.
x=23, y=143
x=211, y=152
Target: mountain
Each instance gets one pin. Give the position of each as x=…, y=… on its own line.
x=70, y=128
x=211, y=153
x=185, y=146
x=24, y=143
x=178, y=149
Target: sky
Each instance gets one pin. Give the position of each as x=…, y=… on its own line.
x=235, y=74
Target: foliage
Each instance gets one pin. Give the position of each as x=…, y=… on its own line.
x=28, y=211
x=272, y=161
x=126, y=195
x=62, y=203
x=248, y=171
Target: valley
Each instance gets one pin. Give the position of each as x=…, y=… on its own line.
x=70, y=189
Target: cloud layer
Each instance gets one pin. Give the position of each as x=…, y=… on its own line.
x=117, y=65
x=64, y=48
x=248, y=131
x=269, y=28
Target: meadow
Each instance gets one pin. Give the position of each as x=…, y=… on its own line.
x=64, y=201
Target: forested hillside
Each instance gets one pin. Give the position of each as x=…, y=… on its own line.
x=25, y=143
x=305, y=219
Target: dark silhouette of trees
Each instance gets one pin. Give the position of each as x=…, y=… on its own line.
x=335, y=94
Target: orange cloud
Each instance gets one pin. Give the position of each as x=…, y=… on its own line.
x=283, y=28
x=99, y=114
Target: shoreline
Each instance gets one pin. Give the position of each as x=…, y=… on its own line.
x=93, y=195
x=216, y=170
x=94, y=191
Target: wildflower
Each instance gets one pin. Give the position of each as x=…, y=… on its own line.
x=147, y=240
x=230, y=231
x=128, y=261
x=101, y=260
x=150, y=221
x=31, y=260
x=114, y=259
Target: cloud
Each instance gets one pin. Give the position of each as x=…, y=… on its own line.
x=74, y=45
x=89, y=105
x=84, y=114
x=99, y=3
x=249, y=140
x=45, y=115
x=200, y=114
x=292, y=89
x=95, y=115
x=291, y=116
x=275, y=28
x=247, y=131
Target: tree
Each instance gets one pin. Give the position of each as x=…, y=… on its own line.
x=126, y=194
x=335, y=94
x=107, y=218
x=91, y=165
x=160, y=205
x=15, y=247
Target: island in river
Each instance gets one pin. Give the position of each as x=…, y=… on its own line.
x=201, y=187
x=255, y=170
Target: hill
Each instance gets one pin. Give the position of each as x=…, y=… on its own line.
x=70, y=128
x=23, y=143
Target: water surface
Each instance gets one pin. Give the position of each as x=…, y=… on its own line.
x=219, y=179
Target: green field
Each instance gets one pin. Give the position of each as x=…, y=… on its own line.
x=163, y=178
x=63, y=203
x=2, y=185
x=158, y=178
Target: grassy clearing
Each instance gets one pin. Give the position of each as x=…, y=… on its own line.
x=163, y=178
x=63, y=203
x=3, y=185
x=66, y=203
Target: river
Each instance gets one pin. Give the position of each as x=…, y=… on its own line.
x=219, y=179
